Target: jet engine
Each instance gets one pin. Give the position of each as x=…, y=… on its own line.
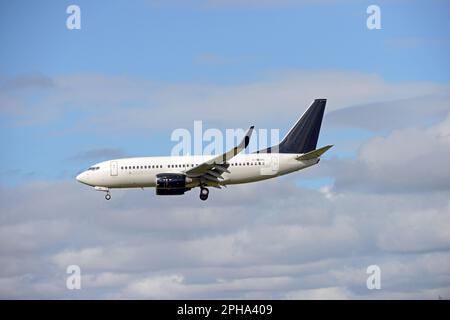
x=171, y=184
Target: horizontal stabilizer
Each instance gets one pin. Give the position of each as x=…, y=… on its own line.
x=314, y=154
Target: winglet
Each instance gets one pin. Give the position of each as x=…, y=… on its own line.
x=314, y=154
x=236, y=150
x=219, y=163
x=248, y=136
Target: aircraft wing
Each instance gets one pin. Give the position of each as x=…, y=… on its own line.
x=213, y=169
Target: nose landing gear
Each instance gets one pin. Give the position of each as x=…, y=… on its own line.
x=204, y=192
x=104, y=189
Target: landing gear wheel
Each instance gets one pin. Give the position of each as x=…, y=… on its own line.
x=107, y=196
x=204, y=192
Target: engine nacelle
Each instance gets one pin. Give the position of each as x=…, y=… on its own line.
x=171, y=184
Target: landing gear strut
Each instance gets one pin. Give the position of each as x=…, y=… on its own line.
x=204, y=192
x=104, y=189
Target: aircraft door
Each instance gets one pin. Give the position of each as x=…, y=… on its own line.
x=114, y=168
x=275, y=164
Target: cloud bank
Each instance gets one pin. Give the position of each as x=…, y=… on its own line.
x=388, y=205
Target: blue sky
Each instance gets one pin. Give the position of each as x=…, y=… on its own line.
x=162, y=42
x=199, y=43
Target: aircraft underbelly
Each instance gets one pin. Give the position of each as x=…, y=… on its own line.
x=132, y=181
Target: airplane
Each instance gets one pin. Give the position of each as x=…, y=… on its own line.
x=175, y=175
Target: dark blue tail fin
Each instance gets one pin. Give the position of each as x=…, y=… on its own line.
x=303, y=136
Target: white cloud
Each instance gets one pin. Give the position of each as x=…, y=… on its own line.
x=402, y=231
x=389, y=206
x=332, y=293
x=157, y=287
x=276, y=249
x=133, y=103
x=392, y=114
x=405, y=160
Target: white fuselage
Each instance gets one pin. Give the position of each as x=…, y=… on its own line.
x=141, y=172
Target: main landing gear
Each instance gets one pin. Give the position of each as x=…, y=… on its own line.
x=204, y=192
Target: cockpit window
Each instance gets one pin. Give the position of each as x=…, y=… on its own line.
x=93, y=168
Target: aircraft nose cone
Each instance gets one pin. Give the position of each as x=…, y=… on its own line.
x=81, y=178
